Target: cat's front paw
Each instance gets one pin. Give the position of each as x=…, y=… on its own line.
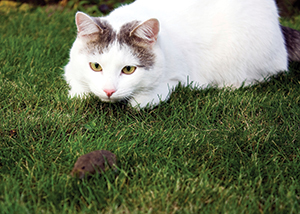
x=145, y=102
x=139, y=105
x=150, y=100
x=80, y=95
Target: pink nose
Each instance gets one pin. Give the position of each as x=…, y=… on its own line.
x=109, y=92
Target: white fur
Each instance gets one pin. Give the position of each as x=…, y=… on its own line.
x=223, y=42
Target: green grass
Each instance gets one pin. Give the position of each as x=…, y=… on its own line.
x=208, y=151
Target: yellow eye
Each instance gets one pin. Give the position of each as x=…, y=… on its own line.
x=128, y=69
x=95, y=66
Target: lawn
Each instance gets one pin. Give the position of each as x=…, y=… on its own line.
x=209, y=151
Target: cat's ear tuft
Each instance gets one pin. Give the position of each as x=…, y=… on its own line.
x=86, y=25
x=147, y=31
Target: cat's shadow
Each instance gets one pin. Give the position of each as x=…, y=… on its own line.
x=282, y=81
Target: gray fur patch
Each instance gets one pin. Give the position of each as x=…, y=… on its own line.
x=102, y=40
x=145, y=55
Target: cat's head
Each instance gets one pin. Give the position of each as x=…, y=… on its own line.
x=116, y=64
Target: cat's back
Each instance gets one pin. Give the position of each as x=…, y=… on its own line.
x=141, y=10
x=197, y=9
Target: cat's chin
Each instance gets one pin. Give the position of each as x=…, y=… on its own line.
x=113, y=100
x=108, y=100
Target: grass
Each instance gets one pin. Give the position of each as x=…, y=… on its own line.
x=209, y=151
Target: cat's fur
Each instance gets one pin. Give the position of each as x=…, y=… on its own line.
x=215, y=42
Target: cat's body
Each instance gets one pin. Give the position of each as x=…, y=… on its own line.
x=160, y=43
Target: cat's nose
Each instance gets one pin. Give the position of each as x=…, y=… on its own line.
x=109, y=92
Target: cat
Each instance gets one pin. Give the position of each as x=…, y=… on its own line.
x=141, y=51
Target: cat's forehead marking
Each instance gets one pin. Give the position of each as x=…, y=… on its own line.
x=102, y=40
x=145, y=56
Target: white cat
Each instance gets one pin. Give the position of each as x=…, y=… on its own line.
x=141, y=51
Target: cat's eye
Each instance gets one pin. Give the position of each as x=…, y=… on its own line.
x=95, y=66
x=128, y=69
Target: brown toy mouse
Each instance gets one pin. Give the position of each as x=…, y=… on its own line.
x=97, y=161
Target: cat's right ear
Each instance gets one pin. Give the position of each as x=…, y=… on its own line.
x=86, y=25
x=147, y=32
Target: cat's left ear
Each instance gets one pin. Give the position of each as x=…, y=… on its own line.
x=86, y=25
x=147, y=32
